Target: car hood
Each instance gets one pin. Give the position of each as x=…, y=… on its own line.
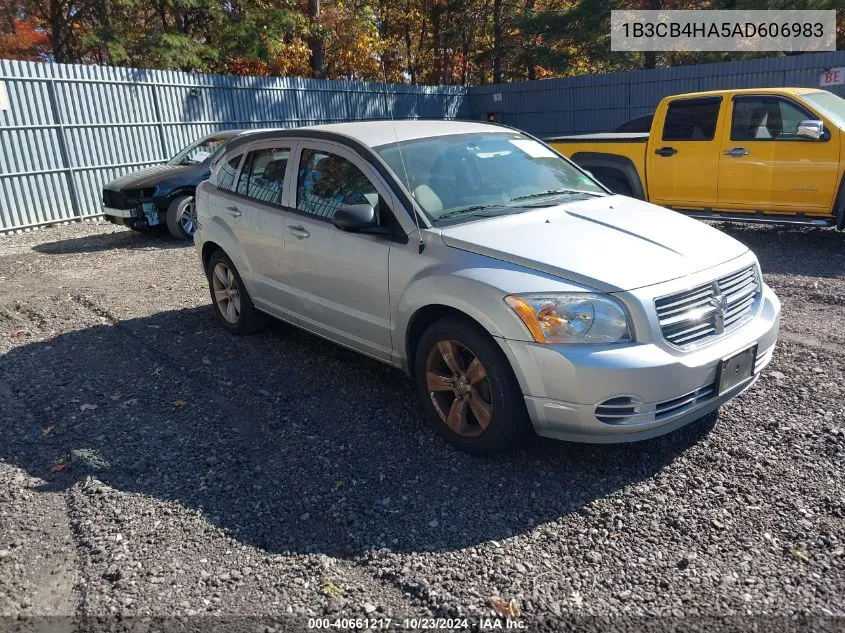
x=610, y=243
x=149, y=177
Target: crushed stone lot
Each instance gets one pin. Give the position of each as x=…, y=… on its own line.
x=153, y=465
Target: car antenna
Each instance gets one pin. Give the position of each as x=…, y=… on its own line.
x=389, y=108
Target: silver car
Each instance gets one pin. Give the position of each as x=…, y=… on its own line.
x=513, y=288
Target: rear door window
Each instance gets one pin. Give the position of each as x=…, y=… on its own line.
x=263, y=175
x=692, y=119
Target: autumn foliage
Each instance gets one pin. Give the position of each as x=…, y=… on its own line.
x=23, y=40
x=410, y=41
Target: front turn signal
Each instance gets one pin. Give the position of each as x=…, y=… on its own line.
x=525, y=312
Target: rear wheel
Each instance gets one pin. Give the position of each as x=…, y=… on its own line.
x=467, y=387
x=182, y=218
x=232, y=303
x=839, y=206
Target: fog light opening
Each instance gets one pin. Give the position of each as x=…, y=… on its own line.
x=617, y=410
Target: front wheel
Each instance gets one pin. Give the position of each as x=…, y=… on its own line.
x=617, y=185
x=468, y=389
x=182, y=218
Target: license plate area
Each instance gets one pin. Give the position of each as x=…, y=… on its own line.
x=117, y=213
x=735, y=370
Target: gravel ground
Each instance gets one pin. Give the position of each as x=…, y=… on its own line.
x=152, y=465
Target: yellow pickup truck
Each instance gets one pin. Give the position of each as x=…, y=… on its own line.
x=757, y=155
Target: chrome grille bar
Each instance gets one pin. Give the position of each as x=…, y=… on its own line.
x=707, y=311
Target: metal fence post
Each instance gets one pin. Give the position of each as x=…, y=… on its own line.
x=162, y=137
x=234, y=110
x=66, y=163
x=387, y=112
x=297, y=106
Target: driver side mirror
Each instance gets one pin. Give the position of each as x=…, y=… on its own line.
x=355, y=217
x=812, y=130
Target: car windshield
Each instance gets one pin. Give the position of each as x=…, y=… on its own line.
x=462, y=176
x=197, y=152
x=829, y=105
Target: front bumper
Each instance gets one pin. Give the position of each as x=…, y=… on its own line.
x=145, y=213
x=120, y=213
x=563, y=385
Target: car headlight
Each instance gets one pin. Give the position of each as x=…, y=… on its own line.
x=139, y=196
x=578, y=317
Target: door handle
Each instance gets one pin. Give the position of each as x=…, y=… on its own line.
x=737, y=152
x=233, y=211
x=299, y=232
x=666, y=151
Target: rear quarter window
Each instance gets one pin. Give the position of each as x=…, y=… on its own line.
x=227, y=172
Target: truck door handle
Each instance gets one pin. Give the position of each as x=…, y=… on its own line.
x=299, y=232
x=666, y=151
x=233, y=211
x=737, y=152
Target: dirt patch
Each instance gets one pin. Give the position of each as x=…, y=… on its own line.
x=150, y=464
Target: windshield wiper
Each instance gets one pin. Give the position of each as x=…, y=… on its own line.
x=471, y=210
x=556, y=192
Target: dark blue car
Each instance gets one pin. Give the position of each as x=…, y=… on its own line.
x=163, y=195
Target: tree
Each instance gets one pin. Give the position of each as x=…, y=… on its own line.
x=52, y=28
x=20, y=36
x=650, y=57
x=318, y=62
x=416, y=41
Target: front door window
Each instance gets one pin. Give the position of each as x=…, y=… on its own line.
x=326, y=181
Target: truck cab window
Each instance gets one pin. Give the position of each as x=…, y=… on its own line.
x=692, y=119
x=765, y=118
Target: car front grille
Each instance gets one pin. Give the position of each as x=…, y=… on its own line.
x=127, y=199
x=710, y=310
x=115, y=199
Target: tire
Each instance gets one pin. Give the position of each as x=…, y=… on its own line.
x=182, y=218
x=497, y=393
x=236, y=312
x=617, y=185
x=839, y=206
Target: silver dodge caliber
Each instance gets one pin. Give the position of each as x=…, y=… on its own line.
x=509, y=283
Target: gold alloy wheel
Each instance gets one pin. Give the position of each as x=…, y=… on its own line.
x=459, y=388
x=226, y=293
